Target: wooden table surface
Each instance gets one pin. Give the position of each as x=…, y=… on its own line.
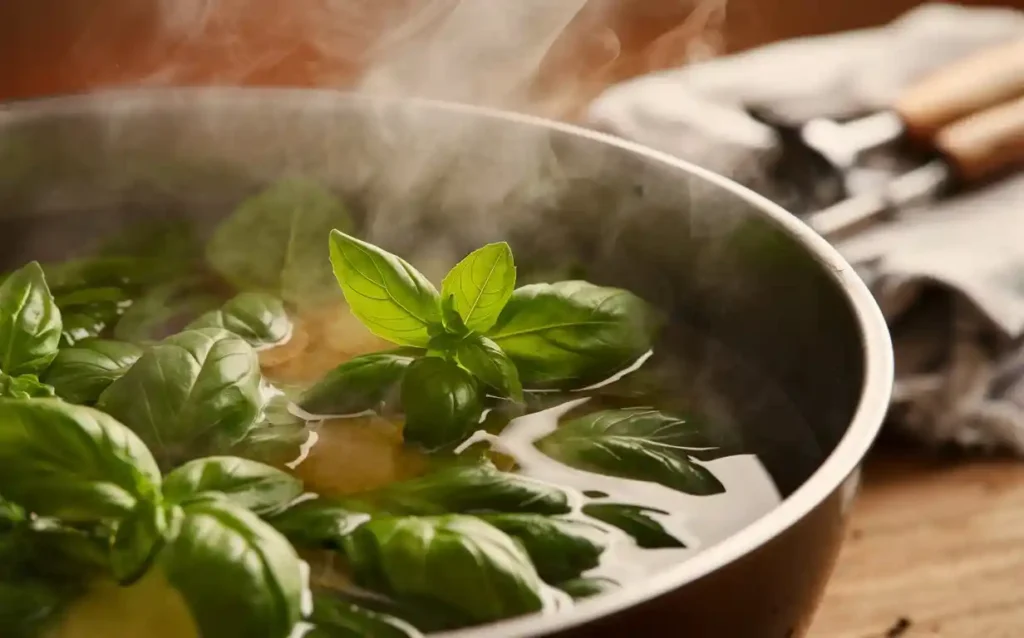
x=935, y=548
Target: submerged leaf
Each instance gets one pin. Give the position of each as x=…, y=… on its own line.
x=635, y=521
x=560, y=549
x=637, y=443
x=459, y=561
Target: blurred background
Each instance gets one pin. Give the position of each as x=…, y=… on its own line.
x=936, y=547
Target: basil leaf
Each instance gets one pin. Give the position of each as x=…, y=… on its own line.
x=140, y=537
x=582, y=588
x=635, y=521
x=88, y=322
x=459, y=561
x=572, y=331
x=318, y=523
x=239, y=577
x=453, y=323
x=273, y=242
x=48, y=549
x=258, y=318
x=560, y=549
x=164, y=310
x=81, y=373
x=30, y=325
x=639, y=444
x=26, y=386
x=71, y=462
x=481, y=285
x=340, y=619
x=359, y=384
x=467, y=489
x=390, y=297
x=254, y=486
x=193, y=391
x=488, y=362
x=442, y=403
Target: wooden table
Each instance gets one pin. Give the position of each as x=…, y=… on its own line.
x=935, y=548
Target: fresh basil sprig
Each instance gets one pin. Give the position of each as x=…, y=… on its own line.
x=25, y=386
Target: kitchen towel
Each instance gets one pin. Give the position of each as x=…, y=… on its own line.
x=949, y=277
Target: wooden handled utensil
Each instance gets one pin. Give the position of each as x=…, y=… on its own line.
x=970, y=115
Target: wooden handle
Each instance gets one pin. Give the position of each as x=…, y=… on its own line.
x=979, y=81
x=985, y=144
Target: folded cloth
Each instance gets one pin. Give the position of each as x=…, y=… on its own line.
x=949, y=278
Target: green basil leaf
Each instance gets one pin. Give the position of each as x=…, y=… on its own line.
x=140, y=537
x=359, y=384
x=481, y=285
x=164, y=310
x=197, y=390
x=560, y=549
x=71, y=462
x=572, y=331
x=341, y=619
x=442, y=403
x=318, y=523
x=254, y=486
x=582, y=588
x=273, y=242
x=639, y=444
x=459, y=561
x=26, y=386
x=81, y=373
x=390, y=297
x=88, y=322
x=239, y=577
x=30, y=325
x=258, y=318
x=453, y=323
x=469, y=489
x=488, y=362
x=635, y=521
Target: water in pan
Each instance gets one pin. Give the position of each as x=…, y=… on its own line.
x=657, y=465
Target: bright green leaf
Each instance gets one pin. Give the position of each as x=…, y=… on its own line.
x=392, y=299
x=26, y=386
x=318, y=523
x=481, y=284
x=30, y=325
x=140, y=537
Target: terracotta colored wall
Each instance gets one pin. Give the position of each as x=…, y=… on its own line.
x=61, y=46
